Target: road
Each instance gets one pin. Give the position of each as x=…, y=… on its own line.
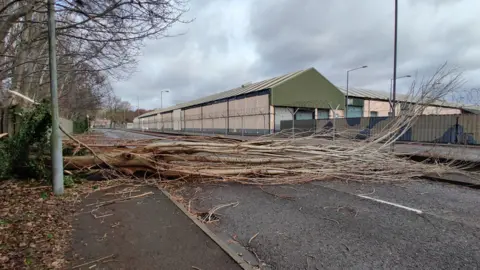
x=339, y=225
x=421, y=225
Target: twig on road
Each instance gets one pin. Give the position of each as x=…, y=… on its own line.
x=332, y=220
x=285, y=197
x=218, y=207
x=94, y=261
x=100, y=204
x=253, y=237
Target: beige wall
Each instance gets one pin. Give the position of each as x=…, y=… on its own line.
x=219, y=113
x=167, y=120
x=249, y=113
x=381, y=107
x=272, y=118
x=192, y=118
x=340, y=113
x=441, y=110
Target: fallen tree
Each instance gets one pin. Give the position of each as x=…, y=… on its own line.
x=271, y=160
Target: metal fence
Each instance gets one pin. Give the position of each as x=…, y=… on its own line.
x=446, y=129
x=252, y=123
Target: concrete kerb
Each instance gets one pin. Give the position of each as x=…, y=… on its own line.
x=224, y=246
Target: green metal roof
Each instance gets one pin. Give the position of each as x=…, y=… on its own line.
x=241, y=90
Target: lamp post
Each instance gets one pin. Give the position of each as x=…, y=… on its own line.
x=391, y=83
x=56, y=139
x=394, y=84
x=346, y=100
x=161, y=96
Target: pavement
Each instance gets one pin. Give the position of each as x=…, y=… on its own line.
x=147, y=232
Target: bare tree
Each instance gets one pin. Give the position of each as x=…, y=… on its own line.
x=97, y=40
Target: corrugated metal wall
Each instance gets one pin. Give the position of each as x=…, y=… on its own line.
x=242, y=115
x=177, y=120
x=446, y=129
x=282, y=114
x=469, y=129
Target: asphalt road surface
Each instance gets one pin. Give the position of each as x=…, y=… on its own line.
x=338, y=225
x=419, y=225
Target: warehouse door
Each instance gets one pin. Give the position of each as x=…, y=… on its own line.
x=355, y=111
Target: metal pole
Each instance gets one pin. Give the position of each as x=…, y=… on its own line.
x=56, y=140
x=161, y=99
x=391, y=98
x=348, y=71
x=242, y=126
x=394, y=89
x=346, y=100
x=226, y=125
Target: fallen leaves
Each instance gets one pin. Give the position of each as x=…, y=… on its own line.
x=34, y=227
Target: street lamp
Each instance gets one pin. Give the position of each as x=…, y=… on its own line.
x=391, y=83
x=161, y=96
x=346, y=100
x=56, y=139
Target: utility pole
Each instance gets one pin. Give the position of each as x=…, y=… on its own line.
x=394, y=88
x=391, y=86
x=56, y=140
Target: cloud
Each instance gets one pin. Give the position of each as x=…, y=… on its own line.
x=231, y=42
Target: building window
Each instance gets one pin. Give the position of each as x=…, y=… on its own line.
x=373, y=114
x=355, y=111
x=323, y=114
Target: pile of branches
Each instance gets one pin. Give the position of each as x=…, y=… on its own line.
x=271, y=160
x=266, y=161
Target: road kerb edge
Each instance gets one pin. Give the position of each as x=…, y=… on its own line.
x=224, y=246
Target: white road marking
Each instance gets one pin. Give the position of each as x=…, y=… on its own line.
x=393, y=204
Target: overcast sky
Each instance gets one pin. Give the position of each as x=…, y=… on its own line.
x=236, y=41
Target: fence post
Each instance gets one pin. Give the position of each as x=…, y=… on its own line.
x=226, y=125
x=242, y=126
x=334, y=126
x=293, y=126
x=264, y=128
x=213, y=124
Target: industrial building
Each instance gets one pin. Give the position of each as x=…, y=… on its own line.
x=370, y=103
x=258, y=108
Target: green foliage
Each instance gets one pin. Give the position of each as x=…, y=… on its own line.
x=80, y=126
x=44, y=195
x=23, y=154
x=68, y=181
